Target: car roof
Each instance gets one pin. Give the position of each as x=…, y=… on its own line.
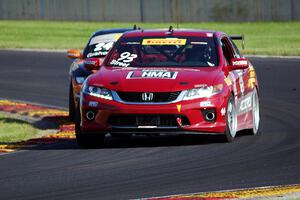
x=174, y=32
x=108, y=31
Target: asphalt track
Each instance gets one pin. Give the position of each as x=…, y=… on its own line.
x=150, y=166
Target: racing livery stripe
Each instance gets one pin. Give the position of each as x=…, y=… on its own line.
x=260, y=192
x=56, y=116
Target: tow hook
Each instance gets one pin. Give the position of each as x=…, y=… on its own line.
x=179, y=121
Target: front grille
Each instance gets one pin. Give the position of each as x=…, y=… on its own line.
x=146, y=120
x=157, y=96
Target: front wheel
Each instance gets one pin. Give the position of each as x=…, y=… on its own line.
x=231, y=120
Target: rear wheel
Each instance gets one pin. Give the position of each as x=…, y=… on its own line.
x=231, y=120
x=72, y=106
x=87, y=140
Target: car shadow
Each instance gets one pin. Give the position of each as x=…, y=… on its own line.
x=137, y=141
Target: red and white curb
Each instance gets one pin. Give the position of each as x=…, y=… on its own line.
x=57, y=116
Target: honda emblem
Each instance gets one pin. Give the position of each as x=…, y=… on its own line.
x=147, y=96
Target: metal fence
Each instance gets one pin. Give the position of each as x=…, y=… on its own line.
x=152, y=10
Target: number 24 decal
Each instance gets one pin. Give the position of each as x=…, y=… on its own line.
x=103, y=46
x=127, y=57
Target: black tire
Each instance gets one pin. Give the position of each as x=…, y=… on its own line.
x=72, y=106
x=87, y=140
x=231, y=120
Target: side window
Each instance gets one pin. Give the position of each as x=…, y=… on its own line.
x=235, y=49
x=227, y=49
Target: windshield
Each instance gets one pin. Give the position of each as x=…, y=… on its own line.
x=166, y=52
x=100, y=45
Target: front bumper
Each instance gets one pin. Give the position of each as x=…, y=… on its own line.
x=189, y=112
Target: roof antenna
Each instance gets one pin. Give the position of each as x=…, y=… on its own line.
x=170, y=31
x=135, y=27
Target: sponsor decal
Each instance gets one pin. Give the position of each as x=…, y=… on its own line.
x=162, y=74
x=103, y=46
x=241, y=81
x=117, y=36
x=93, y=104
x=228, y=81
x=203, y=43
x=251, y=83
x=124, y=69
x=252, y=80
x=94, y=54
x=245, y=104
x=232, y=78
x=120, y=64
x=164, y=41
x=91, y=62
x=178, y=107
x=101, y=49
x=205, y=104
x=130, y=43
x=105, y=38
x=124, y=60
x=127, y=57
x=223, y=111
x=240, y=62
x=242, y=87
x=252, y=74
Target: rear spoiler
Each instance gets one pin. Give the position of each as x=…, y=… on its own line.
x=239, y=37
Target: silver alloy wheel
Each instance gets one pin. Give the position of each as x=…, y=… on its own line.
x=231, y=118
x=255, y=112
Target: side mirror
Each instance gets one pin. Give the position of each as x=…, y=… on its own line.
x=74, y=53
x=238, y=63
x=92, y=63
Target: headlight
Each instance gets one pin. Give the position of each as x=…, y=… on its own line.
x=99, y=92
x=80, y=79
x=205, y=91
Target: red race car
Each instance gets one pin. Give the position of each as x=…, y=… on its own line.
x=169, y=82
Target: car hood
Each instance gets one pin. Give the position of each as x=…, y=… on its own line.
x=153, y=79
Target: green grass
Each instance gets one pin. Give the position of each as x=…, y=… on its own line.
x=269, y=38
x=14, y=130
